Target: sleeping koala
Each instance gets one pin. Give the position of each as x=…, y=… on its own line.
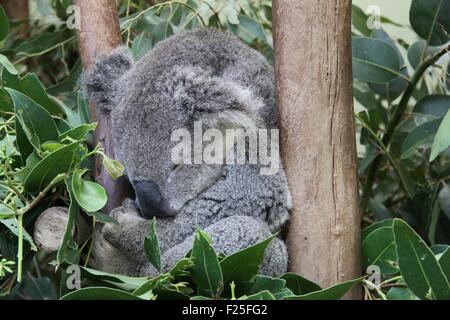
x=201, y=76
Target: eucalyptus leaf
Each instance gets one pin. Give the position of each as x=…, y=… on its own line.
x=442, y=139
x=33, y=88
x=104, y=218
x=400, y=293
x=4, y=61
x=379, y=249
x=248, y=29
x=48, y=168
x=68, y=245
x=431, y=21
x=243, y=265
x=13, y=225
x=444, y=262
x=374, y=60
x=376, y=225
x=91, y=196
x=119, y=281
x=78, y=133
x=394, y=88
x=332, y=293
x=4, y=24
x=420, y=137
x=34, y=124
x=151, y=247
x=299, y=285
x=206, y=272
x=273, y=285
x=360, y=19
x=434, y=105
x=418, y=266
x=99, y=293
x=263, y=295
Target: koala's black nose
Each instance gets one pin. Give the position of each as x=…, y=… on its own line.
x=150, y=200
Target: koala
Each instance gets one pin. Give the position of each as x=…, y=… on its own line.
x=205, y=76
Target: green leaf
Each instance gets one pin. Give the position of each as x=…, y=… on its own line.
x=299, y=285
x=380, y=224
x=200, y=298
x=151, y=247
x=394, y=88
x=13, y=225
x=206, y=272
x=49, y=147
x=33, y=88
x=90, y=195
x=419, y=51
x=332, y=293
x=400, y=293
x=431, y=21
x=4, y=24
x=425, y=208
x=68, y=245
x=379, y=249
x=420, y=137
x=48, y=168
x=243, y=266
x=99, y=293
x=40, y=44
x=38, y=288
x=123, y=282
x=374, y=60
x=248, y=29
x=436, y=106
x=263, y=295
x=444, y=199
x=442, y=140
x=151, y=284
x=359, y=20
x=4, y=61
x=439, y=249
x=444, y=262
x=275, y=286
x=104, y=218
x=181, y=268
x=418, y=266
x=6, y=212
x=142, y=44
x=114, y=168
x=34, y=124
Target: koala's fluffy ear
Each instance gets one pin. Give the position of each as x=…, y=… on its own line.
x=218, y=102
x=103, y=80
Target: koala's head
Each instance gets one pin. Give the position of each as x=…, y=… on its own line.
x=148, y=101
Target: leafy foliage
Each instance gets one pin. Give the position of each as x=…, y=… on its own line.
x=402, y=94
x=203, y=275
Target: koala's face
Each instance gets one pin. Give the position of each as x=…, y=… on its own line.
x=169, y=89
x=142, y=134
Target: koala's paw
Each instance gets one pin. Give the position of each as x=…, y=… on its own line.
x=276, y=259
x=107, y=258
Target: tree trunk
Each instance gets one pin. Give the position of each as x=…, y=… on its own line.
x=99, y=34
x=17, y=10
x=314, y=87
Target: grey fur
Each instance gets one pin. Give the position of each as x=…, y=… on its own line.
x=202, y=75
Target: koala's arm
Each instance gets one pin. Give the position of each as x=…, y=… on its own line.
x=228, y=235
x=129, y=235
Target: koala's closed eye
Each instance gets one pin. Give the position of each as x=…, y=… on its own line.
x=176, y=167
